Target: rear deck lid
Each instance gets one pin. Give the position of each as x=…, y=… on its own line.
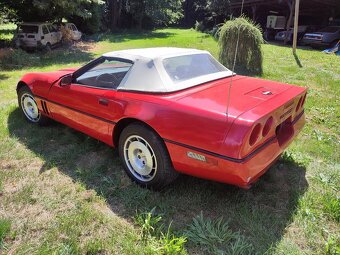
x=245, y=94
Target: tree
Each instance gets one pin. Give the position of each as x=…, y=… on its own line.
x=161, y=12
x=207, y=12
x=114, y=8
x=50, y=10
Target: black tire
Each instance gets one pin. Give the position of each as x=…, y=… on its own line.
x=25, y=92
x=164, y=172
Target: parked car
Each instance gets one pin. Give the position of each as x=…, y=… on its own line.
x=325, y=37
x=76, y=34
x=36, y=36
x=274, y=24
x=166, y=111
x=282, y=35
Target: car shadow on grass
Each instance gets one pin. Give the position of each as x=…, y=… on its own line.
x=261, y=213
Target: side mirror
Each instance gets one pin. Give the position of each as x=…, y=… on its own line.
x=66, y=80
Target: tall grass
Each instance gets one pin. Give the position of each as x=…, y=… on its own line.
x=5, y=227
x=243, y=35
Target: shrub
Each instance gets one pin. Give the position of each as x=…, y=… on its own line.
x=249, y=54
x=92, y=24
x=66, y=34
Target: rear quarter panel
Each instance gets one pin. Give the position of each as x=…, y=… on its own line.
x=175, y=122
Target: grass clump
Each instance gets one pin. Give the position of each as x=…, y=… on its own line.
x=5, y=228
x=149, y=223
x=331, y=206
x=332, y=246
x=246, y=36
x=216, y=237
x=152, y=233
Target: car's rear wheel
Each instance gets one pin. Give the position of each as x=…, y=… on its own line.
x=145, y=157
x=29, y=107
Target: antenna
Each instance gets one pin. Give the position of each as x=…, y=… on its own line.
x=233, y=69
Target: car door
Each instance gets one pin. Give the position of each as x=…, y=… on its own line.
x=76, y=33
x=88, y=102
x=53, y=33
x=46, y=38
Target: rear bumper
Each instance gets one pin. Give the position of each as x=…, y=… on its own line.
x=239, y=172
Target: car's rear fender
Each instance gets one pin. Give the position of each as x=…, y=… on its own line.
x=256, y=127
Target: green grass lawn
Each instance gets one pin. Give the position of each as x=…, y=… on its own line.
x=62, y=192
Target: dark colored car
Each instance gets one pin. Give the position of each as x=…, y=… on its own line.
x=282, y=35
x=325, y=37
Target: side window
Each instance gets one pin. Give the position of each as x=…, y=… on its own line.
x=108, y=74
x=45, y=30
x=51, y=28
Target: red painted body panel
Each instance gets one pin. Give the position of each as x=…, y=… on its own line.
x=240, y=174
x=191, y=120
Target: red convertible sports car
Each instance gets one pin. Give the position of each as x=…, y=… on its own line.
x=171, y=111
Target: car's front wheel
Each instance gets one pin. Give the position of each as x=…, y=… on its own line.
x=29, y=107
x=145, y=157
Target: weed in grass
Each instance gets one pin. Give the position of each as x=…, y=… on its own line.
x=151, y=232
x=287, y=157
x=332, y=246
x=331, y=206
x=216, y=237
x=69, y=247
x=329, y=179
x=149, y=223
x=172, y=245
x=5, y=227
x=95, y=247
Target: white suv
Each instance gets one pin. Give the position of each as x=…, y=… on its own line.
x=37, y=35
x=76, y=34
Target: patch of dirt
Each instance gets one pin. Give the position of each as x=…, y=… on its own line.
x=84, y=46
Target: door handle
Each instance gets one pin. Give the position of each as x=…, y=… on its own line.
x=103, y=101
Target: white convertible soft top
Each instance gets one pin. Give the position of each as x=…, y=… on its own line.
x=167, y=69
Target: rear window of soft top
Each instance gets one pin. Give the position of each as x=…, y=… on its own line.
x=181, y=68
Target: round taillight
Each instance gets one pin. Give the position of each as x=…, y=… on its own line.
x=267, y=126
x=255, y=134
x=299, y=104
